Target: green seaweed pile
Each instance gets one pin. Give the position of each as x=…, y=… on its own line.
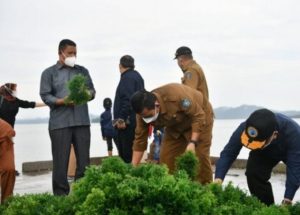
x=117, y=188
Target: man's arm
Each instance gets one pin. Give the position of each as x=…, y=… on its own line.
x=191, y=79
x=127, y=89
x=293, y=169
x=46, y=90
x=89, y=83
x=193, y=142
x=193, y=107
x=137, y=157
x=140, y=141
x=229, y=154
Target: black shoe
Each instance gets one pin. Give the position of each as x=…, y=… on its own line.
x=17, y=173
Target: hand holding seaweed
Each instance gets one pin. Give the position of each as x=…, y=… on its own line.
x=79, y=93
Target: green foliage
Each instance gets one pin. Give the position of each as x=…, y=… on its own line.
x=2, y=209
x=93, y=204
x=294, y=209
x=189, y=163
x=116, y=188
x=117, y=211
x=94, y=179
x=36, y=204
x=146, y=171
x=79, y=93
x=116, y=165
x=233, y=200
x=272, y=210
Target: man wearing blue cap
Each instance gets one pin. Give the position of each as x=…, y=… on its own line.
x=271, y=137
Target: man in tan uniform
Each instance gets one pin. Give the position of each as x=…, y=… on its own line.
x=193, y=75
x=7, y=160
x=187, y=117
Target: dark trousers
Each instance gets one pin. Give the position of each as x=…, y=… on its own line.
x=258, y=172
x=61, y=140
x=109, y=142
x=125, y=142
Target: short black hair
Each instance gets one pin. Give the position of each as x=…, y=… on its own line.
x=142, y=99
x=184, y=51
x=64, y=43
x=127, y=61
x=107, y=103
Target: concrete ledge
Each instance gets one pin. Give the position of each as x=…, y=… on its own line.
x=42, y=166
x=242, y=163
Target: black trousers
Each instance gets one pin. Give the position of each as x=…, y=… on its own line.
x=61, y=140
x=125, y=142
x=258, y=172
x=109, y=142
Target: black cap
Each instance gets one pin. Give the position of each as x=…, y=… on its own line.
x=183, y=50
x=264, y=121
x=259, y=127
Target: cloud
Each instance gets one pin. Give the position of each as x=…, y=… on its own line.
x=249, y=50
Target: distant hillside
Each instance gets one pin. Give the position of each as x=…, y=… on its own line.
x=32, y=121
x=240, y=112
x=243, y=111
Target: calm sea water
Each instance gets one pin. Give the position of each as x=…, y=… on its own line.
x=32, y=142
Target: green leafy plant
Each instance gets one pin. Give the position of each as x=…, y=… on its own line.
x=294, y=209
x=189, y=163
x=79, y=93
x=36, y=204
x=117, y=188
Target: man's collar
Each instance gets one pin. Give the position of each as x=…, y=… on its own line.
x=59, y=66
x=127, y=70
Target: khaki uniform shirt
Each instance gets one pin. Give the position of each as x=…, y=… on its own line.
x=195, y=78
x=182, y=110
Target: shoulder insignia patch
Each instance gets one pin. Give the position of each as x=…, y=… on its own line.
x=185, y=103
x=188, y=75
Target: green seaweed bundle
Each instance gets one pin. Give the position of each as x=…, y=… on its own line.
x=79, y=92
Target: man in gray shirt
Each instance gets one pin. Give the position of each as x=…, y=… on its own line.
x=68, y=123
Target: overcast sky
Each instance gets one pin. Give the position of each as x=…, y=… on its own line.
x=249, y=50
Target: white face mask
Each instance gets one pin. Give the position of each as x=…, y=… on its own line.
x=152, y=118
x=70, y=61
